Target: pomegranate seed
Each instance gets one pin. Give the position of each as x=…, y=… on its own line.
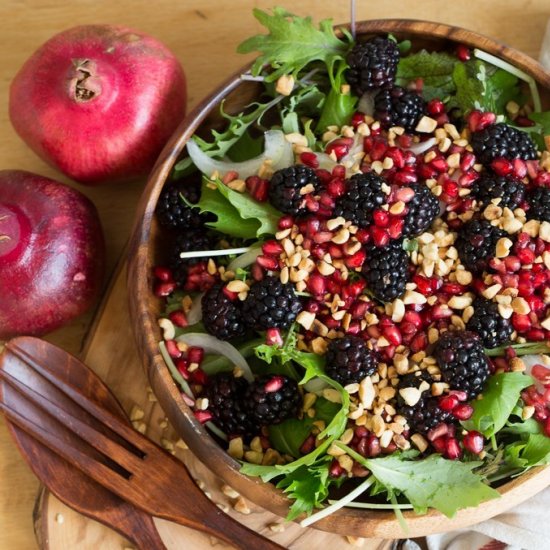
x=378, y=151
x=198, y=376
x=339, y=171
x=357, y=118
x=275, y=384
x=178, y=318
x=502, y=167
x=440, y=164
x=272, y=248
x=463, y=411
x=256, y=272
x=404, y=194
x=257, y=187
x=473, y=120
x=335, y=470
x=286, y=222
x=230, y=294
x=524, y=121
x=460, y=395
x=473, y=441
x=520, y=168
x=373, y=446
x=203, y=416
x=322, y=237
x=452, y=449
x=164, y=289
x=438, y=432
x=463, y=52
x=448, y=403
x=163, y=274
x=380, y=237
x=308, y=445
x=467, y=161
x=396, y=227
x=393, y=335
x=309, y=159
x=317, y=285
x=356, y=260
x=172, y=349
x=336, y=187
x=419, y=342
x=182, y=366
x=541, y=373
x=273, y=337
x=526, y=256
x=230, y=176
x=340, y=147
x=195, y=354
x=435, y=107
x=440, y=444
x=267, y=262
x=381, y=218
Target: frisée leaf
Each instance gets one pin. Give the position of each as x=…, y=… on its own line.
x=292, y=43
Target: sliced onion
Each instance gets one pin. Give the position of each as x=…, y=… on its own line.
x=244, y=260
x=325, y=161
x=366, y=103
x=211, y=344
x=356, y=147
x=315, y=385
x=423, y=146
x=530, y=361
x=194, y=315
x=277, y=149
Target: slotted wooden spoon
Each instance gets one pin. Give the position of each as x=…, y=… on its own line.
x=57, y=407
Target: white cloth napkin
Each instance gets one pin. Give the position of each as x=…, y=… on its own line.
x=525, y=527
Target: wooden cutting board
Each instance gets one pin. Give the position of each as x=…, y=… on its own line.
x=110, y=351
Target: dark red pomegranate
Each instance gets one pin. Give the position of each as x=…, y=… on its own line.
x=98, y=102
x=51, y=254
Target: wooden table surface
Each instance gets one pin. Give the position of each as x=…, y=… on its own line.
x=204, y=35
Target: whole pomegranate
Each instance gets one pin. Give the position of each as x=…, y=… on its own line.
x=51, y=254
x=98, y=102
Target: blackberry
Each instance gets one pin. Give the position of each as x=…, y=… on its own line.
x=349, y=360
x=399, y=107
x=510, y=191
x=488, y=324
x=476, y=244
x=226, y=398
x=425, y=414
x=501, y=140
x=539, y=204
x=423, y=208
x=363, y=195
x=285, y=187
x=271, y=304
x=462, y=361
x=373, y=64
x=271, y=399
x=173, y=212
x=187, y=242
x=386, y=271
x=221, y=316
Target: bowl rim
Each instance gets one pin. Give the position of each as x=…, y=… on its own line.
x=346, y=521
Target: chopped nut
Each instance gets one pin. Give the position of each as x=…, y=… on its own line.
x=236, y=448
x=136, y=413
x=491, y=291
x=285, y=85
x=306, y=319
x=386, y=438
x=398, y=310
x=59, y=518
x=237, y=286
x=521, y=306
x=512, y=225
x=544, y=231
x=426, y=125
x=366, y=392
x=517, y=364
x=334, y=223
x=277, y=527
x=460, y=302
x=401, y=363
x=241, y=506
x=463, y=277
x=531, y=228
x=438, y=388
x=228, y=491
x=254, y=457
x=413, y=297
x=505, y=311
x=341, y=237
x=334, y=450
x=411, y=396
x=332, y=395
x=527, y=412
x=168, y=328
x=378, y=425
x=419, y=441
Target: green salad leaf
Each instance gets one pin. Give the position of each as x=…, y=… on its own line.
x=535, y=451
x=433, y=482
x=500, y=396
x=339, y=106
x=434, y=68
x=543, y=120
x=308, y=487
x=237, y=214
x=292, y=43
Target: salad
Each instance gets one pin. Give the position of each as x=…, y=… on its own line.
x=358, y=268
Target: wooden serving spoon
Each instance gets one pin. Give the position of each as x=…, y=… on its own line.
x=20, y=364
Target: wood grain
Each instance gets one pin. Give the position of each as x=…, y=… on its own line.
x=196, y=30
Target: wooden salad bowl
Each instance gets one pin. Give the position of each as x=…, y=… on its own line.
x=145, y=248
